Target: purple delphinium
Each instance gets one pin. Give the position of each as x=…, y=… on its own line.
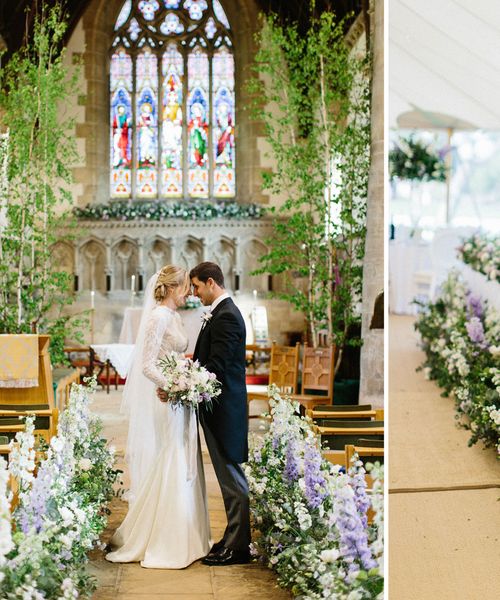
x=361, y=499
x=476, y=332
x=316, y=488
x=291, y=465
x=353, y=537
x=474, y=306
x=34, y=509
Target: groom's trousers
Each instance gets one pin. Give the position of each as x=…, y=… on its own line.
x=234, y=488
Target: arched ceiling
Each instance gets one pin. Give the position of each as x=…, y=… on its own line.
x=13, y=22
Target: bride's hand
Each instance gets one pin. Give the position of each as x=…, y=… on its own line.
x=162, y=395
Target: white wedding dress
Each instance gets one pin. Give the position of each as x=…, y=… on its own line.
x=167, y=525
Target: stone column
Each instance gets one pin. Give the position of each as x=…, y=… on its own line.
x=372, y=351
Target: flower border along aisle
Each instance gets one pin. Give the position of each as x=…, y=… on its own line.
x=482, y=254
x=311, y=517
x=460, y=336
x=61, y=512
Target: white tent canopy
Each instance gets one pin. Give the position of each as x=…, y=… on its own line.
x=444, y=57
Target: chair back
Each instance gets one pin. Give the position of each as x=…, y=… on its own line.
x=318, y=370
x=284, y=367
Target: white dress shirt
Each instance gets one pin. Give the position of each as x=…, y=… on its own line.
x=218, y=300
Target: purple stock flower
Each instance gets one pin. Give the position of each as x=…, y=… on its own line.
x=474, y=306
x=291, y=465
x=476, y=332
x=316, y=490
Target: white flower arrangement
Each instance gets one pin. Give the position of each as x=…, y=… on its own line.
x=60, y=512
x=460, y=334
x=482, y=253
x=311, y=516
x=188, y=383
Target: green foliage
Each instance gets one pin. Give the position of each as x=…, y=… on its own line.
x=36, y=156
x=313, y=98
x=413, y=160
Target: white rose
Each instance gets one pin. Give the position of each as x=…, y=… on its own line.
x=329, y=556
x=66, y=515
x=85, y=464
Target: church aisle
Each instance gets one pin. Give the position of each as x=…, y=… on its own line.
x=443, y=508
x=197, y=582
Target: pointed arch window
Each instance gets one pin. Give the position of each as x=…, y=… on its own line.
x=172, y=101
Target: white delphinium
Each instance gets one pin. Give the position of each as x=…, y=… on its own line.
x=6, y=543
x=22, y=457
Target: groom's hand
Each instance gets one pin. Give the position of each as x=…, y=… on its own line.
x=162, y=394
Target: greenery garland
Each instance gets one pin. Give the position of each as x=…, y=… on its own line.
x=161, y=211
x=413, y=160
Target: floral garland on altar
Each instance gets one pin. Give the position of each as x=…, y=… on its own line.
x=312, y=518
x=460, y=336
x=161, y=211
x=61, y=512
x=482, y=254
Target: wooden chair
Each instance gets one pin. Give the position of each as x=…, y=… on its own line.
x=283, y=372
x=19, y=402
x=63, y=380
x=361, y=412
x=337, y=434
x=257, y=364
x=318, y=369
x=365, y=453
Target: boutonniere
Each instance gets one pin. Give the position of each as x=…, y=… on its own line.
x=206, y=319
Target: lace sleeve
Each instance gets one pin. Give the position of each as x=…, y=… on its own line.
x=155, y=330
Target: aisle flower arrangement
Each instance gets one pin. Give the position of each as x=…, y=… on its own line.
x=61, y=512
x=311, y=517
x=460, y=336
x=482, y=253
x=161, y=211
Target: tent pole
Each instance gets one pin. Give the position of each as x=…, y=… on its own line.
x=448, y=176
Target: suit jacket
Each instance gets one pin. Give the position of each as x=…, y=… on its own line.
x=221, y=349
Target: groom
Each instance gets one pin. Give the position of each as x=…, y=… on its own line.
x=220, y=348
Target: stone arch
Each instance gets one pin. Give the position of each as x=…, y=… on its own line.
x=223, y=252
x=125, y=260
x=92, y=263
x=190, y=253
x=252, y=250
x=158, y=254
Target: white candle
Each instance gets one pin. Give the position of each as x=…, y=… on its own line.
x=132, y=283
x=92, y=300
x=255, y=294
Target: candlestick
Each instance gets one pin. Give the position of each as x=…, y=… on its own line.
x=92, y=300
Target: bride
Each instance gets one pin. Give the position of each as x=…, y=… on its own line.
x=167, y=524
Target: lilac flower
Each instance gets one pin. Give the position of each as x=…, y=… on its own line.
x=316, y=488
x=474, y=306
x=291, y=466
x=476, y=332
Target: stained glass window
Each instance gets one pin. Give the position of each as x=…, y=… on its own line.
x=172, y=101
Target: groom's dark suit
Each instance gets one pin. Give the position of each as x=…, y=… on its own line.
x=221, y=349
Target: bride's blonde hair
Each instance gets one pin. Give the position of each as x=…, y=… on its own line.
x=169, y=278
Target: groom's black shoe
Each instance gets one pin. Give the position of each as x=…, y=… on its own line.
x=217, y=547
x=227, y=556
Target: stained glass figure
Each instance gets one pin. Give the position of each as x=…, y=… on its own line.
x=134, y=29
x=146, y=116
x=171, y=24
x=171, y=134
x=198, y=111
x=172, y=101
x=195, y=8
x=148, y=8
x=124, y=14
x=210, y=28
x=121, y=124
x=220, y=13
x=223, y=130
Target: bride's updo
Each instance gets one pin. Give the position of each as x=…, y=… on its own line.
x=170, y=277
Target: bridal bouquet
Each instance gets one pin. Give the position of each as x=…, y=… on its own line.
x=188, y=383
